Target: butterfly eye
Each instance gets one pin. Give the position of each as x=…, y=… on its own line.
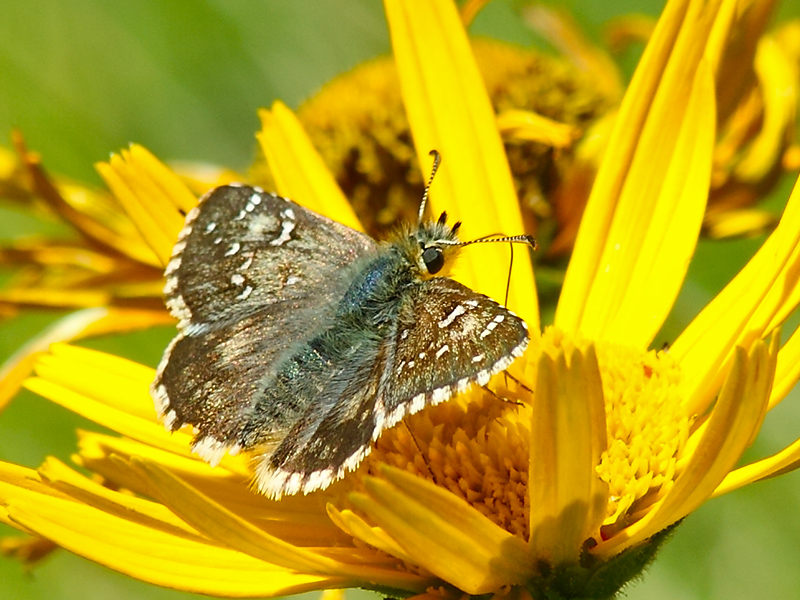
x=433, y=259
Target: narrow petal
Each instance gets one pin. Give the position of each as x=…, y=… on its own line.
x=17, y=481
x=530, y=126
x=629, y=303
x=777, y=77
x=443, y=534
x=718, y=445
x=153, y=556
x=749, y=307
x=449, y=111
x=153, y=196
x=297, y=520
x=350, y=522
x=126, y=506
x=84, y=323
x=620, y=216
x=779, y=463
x=215, y=520
x=111, y=457
x=568, y=435
x=112, y=392
x=82, y=375
x=298, y=168
x=94, y=214
x=787, y=372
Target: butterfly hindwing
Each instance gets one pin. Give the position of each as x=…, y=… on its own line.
x=335, y=430
x=437, y=346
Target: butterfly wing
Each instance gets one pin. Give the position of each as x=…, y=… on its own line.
x=339, y=394
x=445, y=337
x=251, y=277
x=448, y=337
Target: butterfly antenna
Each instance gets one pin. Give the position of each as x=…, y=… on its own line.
x=499, y=237
x=437, y=159
x=512, y=239
x=510, y=268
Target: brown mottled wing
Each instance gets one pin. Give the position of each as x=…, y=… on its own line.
x=252, y=276
x=447, y=338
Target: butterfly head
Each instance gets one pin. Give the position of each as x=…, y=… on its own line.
x=432, y=244
x=429, y=246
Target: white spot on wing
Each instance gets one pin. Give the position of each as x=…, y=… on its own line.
x=286, y=229
x=245, y=293
x=448, y=320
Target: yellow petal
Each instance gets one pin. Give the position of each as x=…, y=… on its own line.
x=442, y=533
x=787, y=371
x=730, y=223
x=125, y=506
x=298, y=168
x=524, y=125
x=449, y=111
x=157, y=557
x=781, y=462
x=153, y=196
x=354, y=525
x=297, y=520
x=653, y=119
x=94, y=214
x=777, y=77
x=752, y=304
x=113, y=392
x=109, y=456
x=653, y=241
x=84, y=323
x=215, y=520
x=568, y=435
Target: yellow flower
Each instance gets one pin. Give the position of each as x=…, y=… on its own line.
x=564, y=490
x=107, y=269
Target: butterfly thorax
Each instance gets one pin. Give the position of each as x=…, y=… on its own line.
x=409, y=257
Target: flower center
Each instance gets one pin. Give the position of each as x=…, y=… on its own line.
x=477, y=445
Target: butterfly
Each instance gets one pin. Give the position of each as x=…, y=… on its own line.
x=300, y=340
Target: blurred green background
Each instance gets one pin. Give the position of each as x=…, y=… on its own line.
x=83, y=78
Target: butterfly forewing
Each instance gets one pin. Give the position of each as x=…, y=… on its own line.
x=252, y=275
x=243, y=248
